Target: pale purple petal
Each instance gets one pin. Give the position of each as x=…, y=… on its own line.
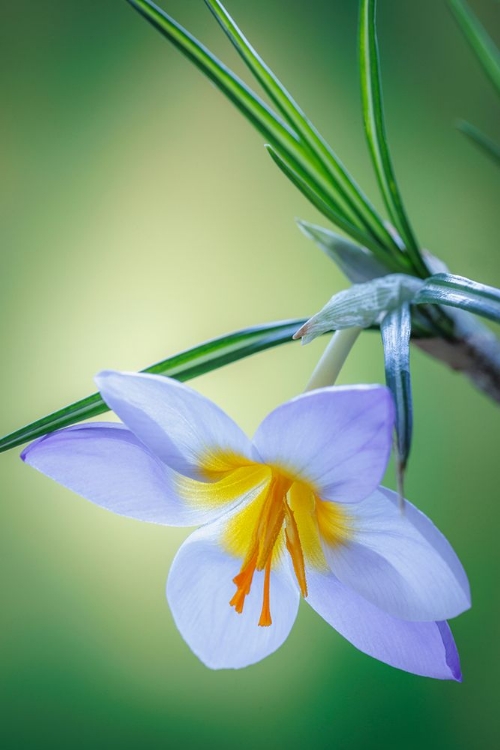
x=199, y=590
x=338, y=439
x=177, y=424
x=423, y=648
x=435, y=538
x=107, y=464
x=406, y=570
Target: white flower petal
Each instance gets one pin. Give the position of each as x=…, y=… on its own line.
x=338, y=439
x=423, y=648
x=177, y=424
x=406, y=569
x=108, y=465
x=431, y=533
x=199, y=589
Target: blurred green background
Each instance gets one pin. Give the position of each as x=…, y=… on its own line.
x=141, y=215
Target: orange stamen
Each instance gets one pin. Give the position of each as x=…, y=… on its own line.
x=271, y=521
x=243, y=582
x=265, y=615
x=294, y=548
x=259, y=536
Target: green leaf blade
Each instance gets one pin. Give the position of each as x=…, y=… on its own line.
x=373, y=116
x=355, y=205
x=268, y=124
x=184, y=366
x=485, y=49
x=310, y=190
x=479, y=139
x=458, y=291
x=330, y=210
x=396, y=332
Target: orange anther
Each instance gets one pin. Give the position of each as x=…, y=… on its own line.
x=265, y=615
x=243, y=582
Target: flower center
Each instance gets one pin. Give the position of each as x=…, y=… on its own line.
x=282, y=514
x=275, y=516
x=286, y=515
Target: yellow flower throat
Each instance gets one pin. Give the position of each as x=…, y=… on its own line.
x=284, y=513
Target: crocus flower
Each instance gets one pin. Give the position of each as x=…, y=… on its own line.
x=295, y=512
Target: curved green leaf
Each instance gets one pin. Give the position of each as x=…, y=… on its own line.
x=357, y=208
x=254, y=108
x=184, y=366
x=479, y=139
x=269, y=125
x=307, y=156
x=457, y=291
x=482, y=44
x=332, y=213
x=313, y=192
x=373, y=116
x=396, y=331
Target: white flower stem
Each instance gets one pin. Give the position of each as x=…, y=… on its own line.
x=327, y=370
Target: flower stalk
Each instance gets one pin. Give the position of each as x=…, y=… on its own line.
x=333, y=358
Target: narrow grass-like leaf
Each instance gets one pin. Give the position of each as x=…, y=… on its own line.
x=373, y=116
x=313, y=192
x=188, y=364
x=356, y=204
x=253, y=108
x=332, y=213
x=479, y=139
x=280, y=135
x=457, y=291
x=480, y=41
x=396, y=330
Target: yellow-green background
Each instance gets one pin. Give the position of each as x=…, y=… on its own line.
x=141, y=215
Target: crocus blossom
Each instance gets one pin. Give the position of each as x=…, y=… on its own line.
x=296, y=512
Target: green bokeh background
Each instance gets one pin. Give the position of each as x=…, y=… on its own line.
x=141, y=215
